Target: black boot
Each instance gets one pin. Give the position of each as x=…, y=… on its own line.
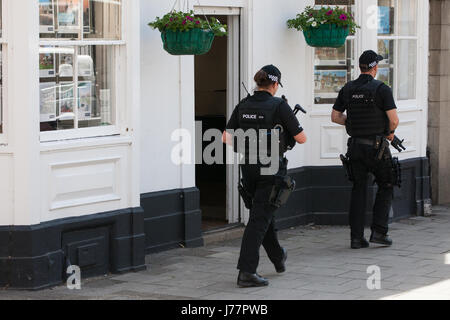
x=247, y=280
x=380, y=238
x=280, y=267
x=359, y=243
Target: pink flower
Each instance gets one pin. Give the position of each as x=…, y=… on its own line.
x=189, y=18
x=329, y=13
x=310, y=14
x=197, y=22
x=171, y=19
x=343, y=17
x=184, y=22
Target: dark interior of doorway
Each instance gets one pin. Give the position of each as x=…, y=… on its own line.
x=211, y=110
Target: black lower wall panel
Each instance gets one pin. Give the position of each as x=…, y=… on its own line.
x=323, y=194
x=172, y=219
x=36, y=257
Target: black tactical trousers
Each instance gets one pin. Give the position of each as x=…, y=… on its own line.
x=363, y=160
x=260, y=229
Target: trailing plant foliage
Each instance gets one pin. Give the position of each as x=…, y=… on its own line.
x=182, y=21
x=314, y=18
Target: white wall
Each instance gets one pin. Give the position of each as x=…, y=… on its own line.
x=268, y=41
x=162, y=111
x=274, y=43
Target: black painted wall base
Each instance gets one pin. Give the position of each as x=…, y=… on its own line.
x=322, y=195
x=172, y=219
x=36, y=257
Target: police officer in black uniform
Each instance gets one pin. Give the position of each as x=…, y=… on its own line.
x=371, y=118
x=262, y=111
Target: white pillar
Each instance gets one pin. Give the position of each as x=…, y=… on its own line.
x=23, y=104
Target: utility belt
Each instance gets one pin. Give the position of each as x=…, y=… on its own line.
x=379, y=143
x=282, y=188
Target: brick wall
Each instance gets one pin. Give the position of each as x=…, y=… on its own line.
x=439, y=100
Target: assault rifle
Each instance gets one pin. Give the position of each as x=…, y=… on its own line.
x=398, y=144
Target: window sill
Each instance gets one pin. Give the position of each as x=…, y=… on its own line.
x=92, y=142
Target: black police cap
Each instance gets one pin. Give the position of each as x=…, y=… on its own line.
x=273, y=73
x=369, y=59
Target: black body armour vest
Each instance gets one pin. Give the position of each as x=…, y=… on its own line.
x=260, y=116
x=364, y=117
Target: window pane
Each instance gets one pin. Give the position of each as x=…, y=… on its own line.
x=333, y=69
x=407, y=25
x=96, y=86
x=407, y=69
x=386, y=67
x=77, y=19
x=92, y=104
x=102, y=19
x=56, y=88
x=386, y=17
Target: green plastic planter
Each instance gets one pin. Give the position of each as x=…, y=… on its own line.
x=191, y=42
x=326, y=35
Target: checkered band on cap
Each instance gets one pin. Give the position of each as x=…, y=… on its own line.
x=273, y=78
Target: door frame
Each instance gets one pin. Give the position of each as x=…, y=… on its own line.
x=236, y=66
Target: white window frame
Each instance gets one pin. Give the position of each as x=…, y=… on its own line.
x=4, y=69
x=406, y=103
x=119, y=48
x=367, y=38
x=324, y=109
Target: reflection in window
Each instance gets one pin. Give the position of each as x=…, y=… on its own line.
x=80, y=19
x=333, y=68
x=397, y=20
x=90, y=70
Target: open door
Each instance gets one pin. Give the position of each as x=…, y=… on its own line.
x=216, y=95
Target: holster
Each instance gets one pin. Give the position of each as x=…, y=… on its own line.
x=381, y=145
x=397, y=172
x=281, y=190
x=348, y=167
x=246, y=196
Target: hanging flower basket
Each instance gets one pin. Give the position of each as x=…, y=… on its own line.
x=324, y=27
x=185, y=34
x=191, y=42
x=326, y=35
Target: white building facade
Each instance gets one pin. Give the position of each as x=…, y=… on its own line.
x=92, y=110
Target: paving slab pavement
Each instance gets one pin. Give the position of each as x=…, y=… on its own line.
x=320, y=266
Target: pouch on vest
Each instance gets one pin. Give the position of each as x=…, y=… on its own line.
x=364, y=117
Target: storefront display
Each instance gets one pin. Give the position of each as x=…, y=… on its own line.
x=88, y=67
x=46, y=16
x=48, y=101
x=68, y=16
x=333, y=67
x=79, y=19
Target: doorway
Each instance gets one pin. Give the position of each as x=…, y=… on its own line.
x=214, y=102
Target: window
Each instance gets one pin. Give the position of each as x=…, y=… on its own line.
x=333, y=68
x=398, y=44
x=80, y=42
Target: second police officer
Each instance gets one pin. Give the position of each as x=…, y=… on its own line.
x=371, y=118
x=263, y=111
